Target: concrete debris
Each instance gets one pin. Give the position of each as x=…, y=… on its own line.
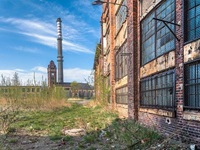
x=74, y=132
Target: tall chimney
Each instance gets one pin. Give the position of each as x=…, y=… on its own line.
x=60, y=56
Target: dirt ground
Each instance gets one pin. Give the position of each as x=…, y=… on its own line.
x=38, y=141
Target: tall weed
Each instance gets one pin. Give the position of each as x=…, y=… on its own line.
x=15, y=98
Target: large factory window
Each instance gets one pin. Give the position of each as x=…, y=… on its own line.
x=192, y=85
x=122, y=95
x=121, y=15
x=121, y=66
x=192, y=20
x=156, y=37
x=157, y=91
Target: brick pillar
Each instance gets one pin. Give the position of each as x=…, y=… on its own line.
x=132, y=44
x=112, y=52
x=179, y=60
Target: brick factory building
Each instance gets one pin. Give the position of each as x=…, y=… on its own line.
x=150, y=58
x=84, y=90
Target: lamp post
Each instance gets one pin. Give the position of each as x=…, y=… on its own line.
x=100, y=2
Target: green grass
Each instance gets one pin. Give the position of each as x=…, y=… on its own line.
x=94, y=120
x=54, y=121
x=132, y=134
x=13, y=140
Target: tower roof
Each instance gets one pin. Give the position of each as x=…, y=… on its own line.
x=51, y=64
x=59, y=20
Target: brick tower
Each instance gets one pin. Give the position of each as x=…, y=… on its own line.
x=51, y=73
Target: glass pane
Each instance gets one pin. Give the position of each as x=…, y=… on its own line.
x=198, y=21
x=198, y=10
x=192, y=74
x=159, y=96
x=191, y=90
x=143, y=86
x=198, y=73
x=168, y=46
x=192, y=100
x=150, y=87
x=198, y=90
x=158, y=84
x=191, y=24
x=191, y=13
x=168, y=81
x=149, y=98
x=197, y=2
x=164, y=81
x=191, y=35
x=187, y=96
x=198, y=102
x=190, y=3
x=198, y=32
x=147, y=85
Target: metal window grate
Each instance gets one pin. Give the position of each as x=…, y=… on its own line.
x=122, y=95
x=121, y=15
x=121, y=66
x=158, y=90
x=192, y=20
x=192, y=85
x=156, y=37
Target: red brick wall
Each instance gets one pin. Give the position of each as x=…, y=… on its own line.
x=177, y=127
x=132, y=43
x=179, y=59
x=185, y=130
x=190, y=130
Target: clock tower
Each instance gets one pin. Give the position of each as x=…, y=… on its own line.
x=51, y=73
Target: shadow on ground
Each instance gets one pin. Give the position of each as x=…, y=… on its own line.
x=111, y=138
x=119, y=134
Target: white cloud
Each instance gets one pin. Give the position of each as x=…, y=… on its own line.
x=26, y=49
x=76, y=74
x=24, y=75
x=44, y=33
x=19, y=70
x=39, y=69
x=40, y=73
x=86, y=7
x=75, y=47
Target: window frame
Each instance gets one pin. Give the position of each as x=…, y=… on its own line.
x=185, y=30
x=123, y=12
x=154, y=11
x=121, y=62
x=194, y=62
x=122, y=94
x=154, y=90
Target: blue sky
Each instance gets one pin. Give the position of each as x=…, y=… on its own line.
x=28, y=38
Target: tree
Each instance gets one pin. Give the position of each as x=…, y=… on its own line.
x=15, y=79
x=74, y=87
x=3, y=80
x=44, y=83
x=90, y=79
x=34, y=80
x=29, y=82
x=8, y=81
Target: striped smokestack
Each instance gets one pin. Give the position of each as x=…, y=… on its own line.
x=60, y=56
